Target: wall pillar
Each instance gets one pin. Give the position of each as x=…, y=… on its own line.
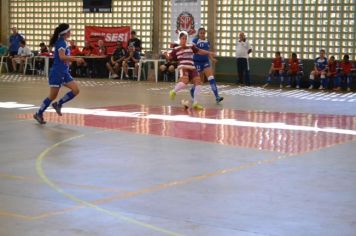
x=5, y=27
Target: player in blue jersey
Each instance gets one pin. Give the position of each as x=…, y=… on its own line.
x=320, y=67
x=59, y=73
x=202, y=64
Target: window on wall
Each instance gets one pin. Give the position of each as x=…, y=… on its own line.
x=38, y=19
x=165, y=35
x=288, y=26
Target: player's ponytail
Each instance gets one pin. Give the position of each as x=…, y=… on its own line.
x=60, y=29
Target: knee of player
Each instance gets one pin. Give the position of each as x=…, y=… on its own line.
x=75, y=91
x=162, y=68
x=171, y=68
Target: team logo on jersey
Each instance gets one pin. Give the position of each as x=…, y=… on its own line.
x=185, y=21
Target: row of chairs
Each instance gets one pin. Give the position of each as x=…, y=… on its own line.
x=29, y=64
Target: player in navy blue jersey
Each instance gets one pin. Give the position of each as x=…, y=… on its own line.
x=202, y=64
x=59, y=73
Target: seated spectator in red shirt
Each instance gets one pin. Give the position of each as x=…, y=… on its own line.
x=100, y=50
x=74, y=49
x=294, y=71
x=43, y=50
x=331, y=72
x=345, y=74
x=99, y=68
x=40, y=61
x=88, y=50
x=277, y=69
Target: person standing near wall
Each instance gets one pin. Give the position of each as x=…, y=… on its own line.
x=14, y=44
x=243, y=49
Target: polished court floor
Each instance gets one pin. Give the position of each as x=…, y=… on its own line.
x=125, y=160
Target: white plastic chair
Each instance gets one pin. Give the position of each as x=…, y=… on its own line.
x=4, y=63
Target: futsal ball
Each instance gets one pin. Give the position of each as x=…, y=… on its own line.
x=185, y=103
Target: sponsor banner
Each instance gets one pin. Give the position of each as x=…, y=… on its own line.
x=185, y=16
x=110, y=36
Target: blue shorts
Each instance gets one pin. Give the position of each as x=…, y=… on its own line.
x=201, y=65
x=58, y=78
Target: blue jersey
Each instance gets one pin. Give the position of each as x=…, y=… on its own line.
x=321, y=63
x=15, y=42
x=59, y=73
x=201, y=44
x=58, y=64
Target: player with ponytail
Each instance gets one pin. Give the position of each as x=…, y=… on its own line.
x=59, y=73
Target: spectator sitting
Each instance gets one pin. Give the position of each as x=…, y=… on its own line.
x=168, y=70
x=88, y=50
x=131, y=60
x=75, y=68
x=331, y=73
x=294, y=71
x=43, y=50
x=320, y=66
x=3, y=50
x=40, y=61
x=134, y=41
x=345, y=73
x=99, y=69
x=20, y=58
x=115, y=62
x=101, y=49
x=277, y=69
x=74, y=49
x=85, y=68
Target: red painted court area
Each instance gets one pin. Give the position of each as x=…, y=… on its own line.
x=291, y=133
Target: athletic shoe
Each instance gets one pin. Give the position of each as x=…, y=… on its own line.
x=197, y=106
x=281, y=86
x=288, y=86
x=219, y=99
x=172, y=94
x=297, y=87
x=265, y=85
x=321, y=87
x=348, y=89
x=57, y=108
x=337, y=89
x=185, y=104
x=39, y=118
x=310, y=87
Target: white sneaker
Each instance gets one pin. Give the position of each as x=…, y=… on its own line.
x=348, y=89
x=288, y=86
x=297, y=87
x=321, y=87
x=280, y=86
x=310, y=87
x=265, y=85
x=114, y=76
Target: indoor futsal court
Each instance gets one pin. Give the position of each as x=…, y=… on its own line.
x=117, y=164
x=95, y=139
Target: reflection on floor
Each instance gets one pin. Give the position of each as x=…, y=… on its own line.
x=274, y=131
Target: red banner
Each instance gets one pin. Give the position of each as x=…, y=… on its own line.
x=110, y=36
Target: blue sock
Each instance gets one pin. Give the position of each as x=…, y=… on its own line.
x=69, y=96
x=269, y=79
x=44, y=106
x=192, y=91
x=212, y=82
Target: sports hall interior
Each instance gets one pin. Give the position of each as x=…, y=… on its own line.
x=126, y=160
